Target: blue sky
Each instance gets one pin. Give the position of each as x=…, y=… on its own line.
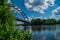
x=48, y=12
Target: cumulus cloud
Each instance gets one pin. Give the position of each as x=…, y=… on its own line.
x=9, y=1
x=38, y=5
x=41, y=17
x=38, y=17
x=56, y=13
x=18, y=22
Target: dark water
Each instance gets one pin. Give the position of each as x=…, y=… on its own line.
x=44, y=32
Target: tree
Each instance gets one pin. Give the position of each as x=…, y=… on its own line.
x=7, y=24
x=44, y=21
x=58, y=21
x=7, y=21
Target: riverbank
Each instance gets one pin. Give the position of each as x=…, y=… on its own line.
x=44, y=24
x=45, y=21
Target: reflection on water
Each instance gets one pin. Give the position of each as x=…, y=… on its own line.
x=44, y=32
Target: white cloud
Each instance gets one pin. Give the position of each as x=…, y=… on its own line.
x=38, y=5
x=29, y=19
x=38, y=17
x=9, y=1
x=56, y=13
x=19, y=22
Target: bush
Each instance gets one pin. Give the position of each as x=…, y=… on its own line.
x=7, y=25
x=23, y=35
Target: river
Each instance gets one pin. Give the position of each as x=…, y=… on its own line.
x=43, y=32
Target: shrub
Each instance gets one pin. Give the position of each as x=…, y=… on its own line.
x=7, y=24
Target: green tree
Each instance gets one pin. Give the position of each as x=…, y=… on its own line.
x=7, y=21
x=36, y=21
x=44, y=21
x=7, y=24
x=58, y=21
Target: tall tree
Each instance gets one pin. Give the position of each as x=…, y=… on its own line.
x=7, y=24
x=7, y=21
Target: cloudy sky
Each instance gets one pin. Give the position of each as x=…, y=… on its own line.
x=39, y=8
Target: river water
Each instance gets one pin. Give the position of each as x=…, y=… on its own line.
x=43, y=32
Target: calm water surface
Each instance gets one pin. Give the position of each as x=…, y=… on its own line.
x=43, y=32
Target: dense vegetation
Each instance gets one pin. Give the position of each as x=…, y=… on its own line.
x=7, y=25
x=44, y=21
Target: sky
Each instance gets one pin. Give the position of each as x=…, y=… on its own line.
x=39, y=8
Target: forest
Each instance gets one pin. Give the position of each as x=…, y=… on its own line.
x=39, y=21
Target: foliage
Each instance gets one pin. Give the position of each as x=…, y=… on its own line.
x=7, y=24
x=44, y=21
x=58, y=21
x=36, y=21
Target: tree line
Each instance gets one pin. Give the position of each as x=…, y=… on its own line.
x=39, y=21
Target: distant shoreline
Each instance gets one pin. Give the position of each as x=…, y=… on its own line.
x=48, y=24
x=35, y=25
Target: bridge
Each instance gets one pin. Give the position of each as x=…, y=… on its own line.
x=25, y=18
